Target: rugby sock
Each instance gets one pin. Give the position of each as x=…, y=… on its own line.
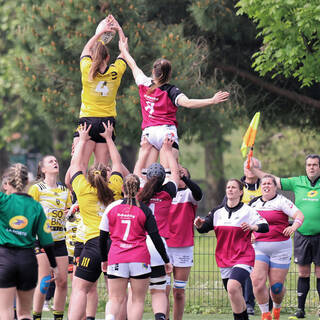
x=160, y=316
x=240, y=316
x=57, y=315
x=245, y=315
x=37, y=315
x=90, y=318
x=318, y=286
x=264, y=308
x=303, y=289
x=277, y=305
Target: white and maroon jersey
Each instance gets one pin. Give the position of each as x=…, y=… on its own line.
x=160, y=206
x=182, y=213
x=160, y=106
x=233, y=244
x=277, y=212
x=127, y=226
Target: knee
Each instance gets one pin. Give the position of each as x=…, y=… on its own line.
x=178, y=294
x=277, y=288
x=233, y=290
x=62, y=284
x=258, y=284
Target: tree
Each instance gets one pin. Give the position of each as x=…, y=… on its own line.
x=290, y=34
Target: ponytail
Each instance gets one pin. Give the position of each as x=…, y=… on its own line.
x=100, y=53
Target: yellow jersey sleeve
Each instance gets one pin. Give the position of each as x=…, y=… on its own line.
x=79, y=184
x=120, y=65
x=85, y=64
x=115, y=184
x=34, y=192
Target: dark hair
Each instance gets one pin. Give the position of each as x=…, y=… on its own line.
x=97, y=177
x=40, y=174
x=269, y=176
x=162, y=73
x=313, y=156
x=17, y=176
x=131, y=185
x=240, y=185
x=99, y=53
x=149, y=190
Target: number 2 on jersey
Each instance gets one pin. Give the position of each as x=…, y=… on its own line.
x=126, y=233
x=102, y=88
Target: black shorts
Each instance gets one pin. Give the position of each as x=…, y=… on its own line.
x=306, y=249
x=60, y=248
x=89, y=267
x=96, y=127
x=18, y=268
x=78, y=247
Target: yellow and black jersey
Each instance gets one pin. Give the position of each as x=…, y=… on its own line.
x=98, y=97
x=250, y=191
x=91, y=210
x=54, y=202
x=71, y=233
x=81, y=230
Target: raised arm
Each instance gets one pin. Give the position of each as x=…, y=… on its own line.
x=87, y=48
x=145, y=148
x=171, y=160
x=219, y=97
x=260, y=174
x=123, y=47
x=76, y=160
x=114, y=153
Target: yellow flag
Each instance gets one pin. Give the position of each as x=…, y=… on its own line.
x=249, y=137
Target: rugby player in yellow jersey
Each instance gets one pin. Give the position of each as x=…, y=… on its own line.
x=100, y=82
x=94, y=193
x=55, y=200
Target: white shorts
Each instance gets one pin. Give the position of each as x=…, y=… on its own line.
x=127, y=270
x=225, y=272
x=156, y=134
x=277, y=254
x=181, y=257
x=156, y=259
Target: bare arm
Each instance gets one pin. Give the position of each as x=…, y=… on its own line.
x=172, y=162
x=260, y=174
x=123, y=47
x=114, y=153
x=87, y=48
x=142, y=158
x=219, y=97
x=76, y=160
x=298, y=221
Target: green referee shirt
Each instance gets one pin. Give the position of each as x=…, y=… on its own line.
x=21, y=220
x=307, y=199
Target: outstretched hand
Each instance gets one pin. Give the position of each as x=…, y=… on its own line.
x=167, y=143
x=123, y=44
x=198, y=222
x=108, y=130
x=220, y=96
x=84, y=132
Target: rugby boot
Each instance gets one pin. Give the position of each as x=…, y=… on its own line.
x=276, y=313
x=300, y=314
x=266, y=316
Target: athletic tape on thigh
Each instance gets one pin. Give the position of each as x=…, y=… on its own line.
x=277, y=288
x=158, y=283
x=179, y=284
x=44, y=284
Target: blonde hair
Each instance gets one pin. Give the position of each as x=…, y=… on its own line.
x=99, y=53
x=17, y=176
x=131, y=186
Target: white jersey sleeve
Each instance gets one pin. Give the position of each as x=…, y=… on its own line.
x=254, y=217
x=142, y=79
x=104, y=224
x=287, y=206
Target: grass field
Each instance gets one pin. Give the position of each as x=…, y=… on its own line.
x=205, y=295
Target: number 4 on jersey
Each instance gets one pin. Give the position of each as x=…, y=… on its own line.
x=102, y=88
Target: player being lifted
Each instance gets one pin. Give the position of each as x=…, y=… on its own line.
x=159, y=103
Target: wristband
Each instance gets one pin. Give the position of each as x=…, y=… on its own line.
x=297, y=220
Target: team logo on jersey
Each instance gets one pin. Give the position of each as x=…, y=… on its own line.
x=18, y=222
x=145, y=265
x=46, y=227
x=57, y=201
x=312, y=193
